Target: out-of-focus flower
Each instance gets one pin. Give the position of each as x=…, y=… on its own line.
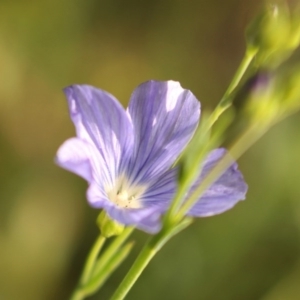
x=275, y=33
x=127, y=155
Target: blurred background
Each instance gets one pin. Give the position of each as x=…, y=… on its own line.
x=46, y=227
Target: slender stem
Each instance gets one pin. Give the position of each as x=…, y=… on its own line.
x=112, y=249
x=78, y=295
x=177, y=200
x=150, y=249
x=93, y=267
x=247, y=139
x=139, y=265
x=222, y=106
x=249, y=55
x=98, y=280
x=90, y=263
x=225, y=101
x=170, y=217
x=88, y=268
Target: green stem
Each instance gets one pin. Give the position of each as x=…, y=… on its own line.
x=247, y=139
x=112, y=249
x=90, y=263
x=140, y=264
x=223, y=105
x=176, y=201
x=88, y=268
x=98, y=280
x=78, y=295
x=226, y=101
x=150, y=249
x=93, y=267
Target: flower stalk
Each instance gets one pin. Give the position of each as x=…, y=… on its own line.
x=88, y=267
x=130, y=157
x=226, y=99
x=98, y=269
x=151, y=248
x=247, y=139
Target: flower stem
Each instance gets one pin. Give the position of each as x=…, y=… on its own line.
x=90, y=263
x=112, y=249
x=78, y=295
x=99, y=279
x=150, y=249
x=140, y=264
x=97, y=270
x=222, y=106
x=246, y=140
x=88, y=268
x=226, y=101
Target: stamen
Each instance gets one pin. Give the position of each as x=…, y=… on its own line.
x=125, y=195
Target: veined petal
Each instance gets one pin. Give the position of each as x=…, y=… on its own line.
x=75, y=155
x=100, y=119
x=164, y=117
x=224, y=193
x=146, y=218
x=126, y=157
x=82, y=158
x=162, y=191
x=97, y=196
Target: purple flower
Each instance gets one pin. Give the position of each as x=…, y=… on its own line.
x=126, y=155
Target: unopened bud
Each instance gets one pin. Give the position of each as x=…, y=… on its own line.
x=275, y=33
x=263, y=102
x=108, y=227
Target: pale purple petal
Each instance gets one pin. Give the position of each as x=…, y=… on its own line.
x=224, y=193
x=75, y=155
x=133, y=151
x=97, y=196
x=165, y=117
x=100, y=119
x=83, y=159
x=162, y=191
x=146, y=218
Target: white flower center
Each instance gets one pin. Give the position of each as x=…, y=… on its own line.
x=125, y=195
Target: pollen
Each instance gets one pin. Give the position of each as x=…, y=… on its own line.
x=125, y=195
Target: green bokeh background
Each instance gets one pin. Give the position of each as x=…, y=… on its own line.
x=46, y=227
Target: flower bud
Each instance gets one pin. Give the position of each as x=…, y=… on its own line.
x=108, y=227
x=263, y=105
x=273, y=97
x=275, y=33
x=290, y=84
x=294, y=40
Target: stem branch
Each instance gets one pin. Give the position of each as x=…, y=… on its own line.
x=226, y=101
x=150, y=249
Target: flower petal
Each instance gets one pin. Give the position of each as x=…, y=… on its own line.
x=162, y=191
x=224, y=193
x=97, y=196
x=164, y=116
x=147, y=218
x=100, y=119
x=75, y=156
x=82, y=158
